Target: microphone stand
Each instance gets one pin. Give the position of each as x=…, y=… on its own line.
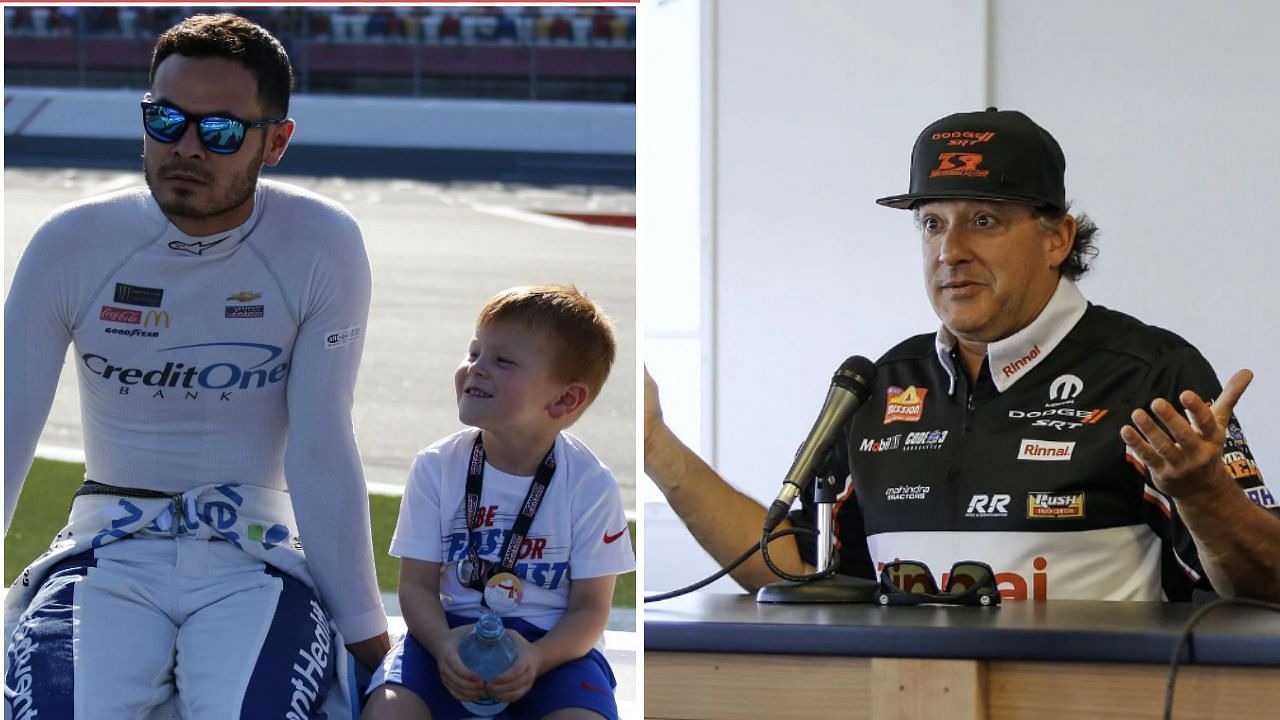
x=833, y=589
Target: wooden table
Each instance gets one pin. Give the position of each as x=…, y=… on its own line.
x=725, y=657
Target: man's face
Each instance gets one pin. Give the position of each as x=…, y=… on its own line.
x=989, y=266
x=200, y=191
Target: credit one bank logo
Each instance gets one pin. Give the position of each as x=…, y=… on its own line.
x=233, y=371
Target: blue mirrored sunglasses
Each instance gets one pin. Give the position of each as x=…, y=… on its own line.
x=220, y=133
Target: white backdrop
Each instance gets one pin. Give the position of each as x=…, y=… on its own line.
x=1166, y=112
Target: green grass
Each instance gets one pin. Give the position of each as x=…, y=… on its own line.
x=46, y=497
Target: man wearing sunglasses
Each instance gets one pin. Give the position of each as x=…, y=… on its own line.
x=1071, y=448
x=217, y=324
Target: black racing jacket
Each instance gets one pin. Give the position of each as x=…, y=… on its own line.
x=1025, y=469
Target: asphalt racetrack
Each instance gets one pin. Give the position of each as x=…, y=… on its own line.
x=438, y=251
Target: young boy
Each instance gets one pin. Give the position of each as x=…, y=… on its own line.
x=539, y=356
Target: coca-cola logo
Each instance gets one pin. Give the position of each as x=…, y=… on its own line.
x=120, y=315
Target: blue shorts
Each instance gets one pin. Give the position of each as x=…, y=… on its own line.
x=587, y=682
x=117, y=630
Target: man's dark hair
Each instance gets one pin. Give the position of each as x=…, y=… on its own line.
x=236, y=39
x=1083, y=250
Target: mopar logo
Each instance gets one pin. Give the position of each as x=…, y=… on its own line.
x=243, y=366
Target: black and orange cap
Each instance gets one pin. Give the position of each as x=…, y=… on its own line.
x=988, y=155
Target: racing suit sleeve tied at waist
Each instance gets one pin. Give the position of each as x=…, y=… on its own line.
x=257, y=520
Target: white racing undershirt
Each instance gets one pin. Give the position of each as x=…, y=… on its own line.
x=225, y=359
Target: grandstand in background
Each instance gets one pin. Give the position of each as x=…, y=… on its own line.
x=512, y=53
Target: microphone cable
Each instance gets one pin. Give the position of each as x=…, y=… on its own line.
x=763, y=546
x=1185, y=639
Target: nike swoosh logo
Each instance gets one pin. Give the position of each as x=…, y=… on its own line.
x=588, y=686
x=610, y=538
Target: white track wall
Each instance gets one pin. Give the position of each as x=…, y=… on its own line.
x=500, y=125
x=1166, y=111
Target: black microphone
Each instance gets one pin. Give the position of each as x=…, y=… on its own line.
x=850, y=387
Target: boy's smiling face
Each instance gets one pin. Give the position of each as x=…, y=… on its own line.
x=506, y=380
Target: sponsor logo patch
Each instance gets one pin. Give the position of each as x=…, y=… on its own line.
x=138, y=295
x=1014, y=367
x=963, y=138
x=245, y=296
x=338, y=338
x=951, y=164
x=1055, y=505
x=925, y=440
x=1045, y=450
x=904, y=405
x=988, y=506
x=907, y=492
x=120, y=315
x=243, y=311
x=1053, y=418
x=156, y=318
x=872, y=445
x=195, y=248
x=1065, y=387
x=1262, y=497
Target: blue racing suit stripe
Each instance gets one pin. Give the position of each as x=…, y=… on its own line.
x=44, y=682
x=294, y=668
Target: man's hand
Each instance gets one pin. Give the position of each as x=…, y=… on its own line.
x=516, y=680
x=370, y=652
x=460, y=680
x=652, y=410
x=1187, y=460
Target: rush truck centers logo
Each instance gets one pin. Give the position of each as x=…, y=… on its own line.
x=1055, y=505
x=904, y=405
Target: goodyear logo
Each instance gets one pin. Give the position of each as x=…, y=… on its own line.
x=1055, y=505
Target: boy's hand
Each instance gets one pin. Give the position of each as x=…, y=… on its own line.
x=458, y=679
x=512, y=684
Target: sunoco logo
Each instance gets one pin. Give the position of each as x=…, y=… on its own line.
x=225, y=375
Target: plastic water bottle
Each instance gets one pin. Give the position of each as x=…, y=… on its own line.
x=488, y=651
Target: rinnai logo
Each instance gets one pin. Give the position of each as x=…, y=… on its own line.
x=1012, y=368
x=1055, y=505
x=1045, y=450
x=1013, y=585
x=986, y=506
x=904, y=405
x=120, y=315
x=1065, y=387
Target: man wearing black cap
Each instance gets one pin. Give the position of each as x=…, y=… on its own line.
x=1002, y=437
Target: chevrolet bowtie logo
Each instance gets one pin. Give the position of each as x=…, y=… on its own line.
x=245, y=296
x=195, y=248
